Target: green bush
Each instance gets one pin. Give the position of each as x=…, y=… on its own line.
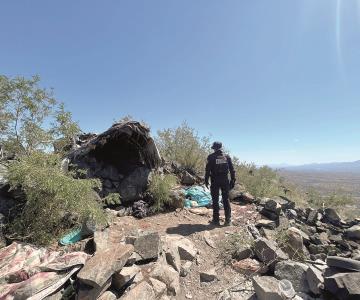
x=260, y=182
x=51, y=197
x=338, y=199
x=184, y=146
x=160, y=188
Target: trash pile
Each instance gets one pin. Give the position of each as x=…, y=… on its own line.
x=301, y=253
x=197, y=196
x=27, y=272
x=141, y=265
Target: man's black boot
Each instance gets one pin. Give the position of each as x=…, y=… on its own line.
x=215, y=222
x=228, y=223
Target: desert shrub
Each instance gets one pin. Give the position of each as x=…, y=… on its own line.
x=259, y=181
x=160, y=188
x=51, y=197
x=112, y=199
x=338, y=199
x=184, y=146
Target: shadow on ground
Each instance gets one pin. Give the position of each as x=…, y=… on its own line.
x=188, y=229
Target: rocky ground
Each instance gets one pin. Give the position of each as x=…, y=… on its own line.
x=272, y=251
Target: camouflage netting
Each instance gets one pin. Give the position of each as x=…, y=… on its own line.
x=122, y=158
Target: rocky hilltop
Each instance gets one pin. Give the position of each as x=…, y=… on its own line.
x=273, y=250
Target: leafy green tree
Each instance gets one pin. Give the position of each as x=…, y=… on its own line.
x=26, y=110
x=184, y=146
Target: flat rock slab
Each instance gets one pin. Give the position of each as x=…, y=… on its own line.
x=270, y=224
x=343, y=263
x=268, y=251
x=315, y=280
x=146, y=244
x=99, y=268
x=353, y=232
x=345, y=286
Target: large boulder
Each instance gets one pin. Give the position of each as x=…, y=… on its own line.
x=353, y=232
x=173, y=257
x=177, y=198
x=125, y=275
x=122, y=157
x=295, y=272
x=187, y=178
x=237, y=192
x=99, y=268
x=266, y=288
x=331, y=216
x=143, y=291
x=158, y=287
x=187, y=249
x=146, y=244
x=294, y=245
x=167, y=275
x=134, y=184
x=345, y=286
x=268, y=251
x=315, y=280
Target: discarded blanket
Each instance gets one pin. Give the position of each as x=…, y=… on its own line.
x=27, y=272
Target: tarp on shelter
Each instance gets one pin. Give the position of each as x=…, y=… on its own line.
x=122, y=157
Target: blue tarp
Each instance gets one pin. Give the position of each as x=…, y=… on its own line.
x=72, y=237
x=199, y=195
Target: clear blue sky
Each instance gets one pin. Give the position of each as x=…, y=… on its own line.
x=277, y=81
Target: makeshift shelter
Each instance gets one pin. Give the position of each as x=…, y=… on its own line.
x=122, y=157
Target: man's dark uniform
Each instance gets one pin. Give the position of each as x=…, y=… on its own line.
x=218, y=167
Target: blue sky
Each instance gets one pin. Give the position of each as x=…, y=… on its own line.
x=276, y=81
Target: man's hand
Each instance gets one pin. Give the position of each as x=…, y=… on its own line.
x=232, y=183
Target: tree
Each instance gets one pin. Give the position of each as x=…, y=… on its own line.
x=30, y=117
x=185, y=146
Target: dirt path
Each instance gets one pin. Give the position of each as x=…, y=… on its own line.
x=193, y=224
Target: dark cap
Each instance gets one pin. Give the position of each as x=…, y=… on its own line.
x=216, y=145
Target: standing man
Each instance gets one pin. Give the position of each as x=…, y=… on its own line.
x=217, y=168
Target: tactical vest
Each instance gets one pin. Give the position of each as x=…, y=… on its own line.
x=221, y=166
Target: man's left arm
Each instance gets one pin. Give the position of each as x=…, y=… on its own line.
x=232, y=172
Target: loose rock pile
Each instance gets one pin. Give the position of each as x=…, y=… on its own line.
x=140, y=266
x=307, y=253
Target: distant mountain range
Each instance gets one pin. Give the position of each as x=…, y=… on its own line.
x=349, y=167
